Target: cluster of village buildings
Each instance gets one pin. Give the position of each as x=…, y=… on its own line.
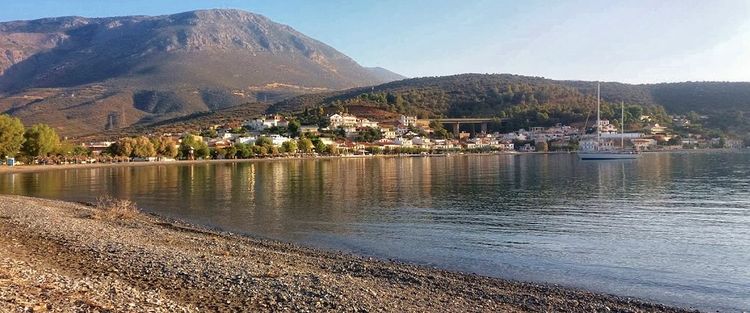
x=414, y=133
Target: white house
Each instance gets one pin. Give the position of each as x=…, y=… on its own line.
x=408, y=120
x=98, y=147
x=443, y=144
x=346, y=120
x=527, y=148
x=422, y=142
x=401, y=130
x=402, y=142
x=389, y=133
x=327, y=141
x=643, y=143
x=591, y=144
x=246, y=140
x=606, y=128
x=266, y=122
x=504, y=145
x=367, y=123
x=342, y=120
x=278, y=139
x=520, y=136
x=228, y=135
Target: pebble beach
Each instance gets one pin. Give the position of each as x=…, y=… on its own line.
x=59, y=257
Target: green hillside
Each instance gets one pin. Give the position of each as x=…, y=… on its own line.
x=534, y=101
x=521, y=101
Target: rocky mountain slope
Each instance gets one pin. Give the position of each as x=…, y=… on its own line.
x=85, y=75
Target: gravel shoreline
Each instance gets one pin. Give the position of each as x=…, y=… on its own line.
x=56, y=257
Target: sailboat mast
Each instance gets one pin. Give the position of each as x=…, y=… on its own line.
x=622, y=124
x=598, y=116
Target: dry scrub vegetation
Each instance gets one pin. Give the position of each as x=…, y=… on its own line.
x=110, y=208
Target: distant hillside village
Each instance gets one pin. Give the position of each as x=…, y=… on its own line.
x=347, y=134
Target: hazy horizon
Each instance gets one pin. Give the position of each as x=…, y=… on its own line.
x=631, y=42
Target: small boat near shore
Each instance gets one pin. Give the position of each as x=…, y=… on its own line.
x=598, y=151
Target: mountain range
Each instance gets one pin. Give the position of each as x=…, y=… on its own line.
x=143, y=73
x=85, y=75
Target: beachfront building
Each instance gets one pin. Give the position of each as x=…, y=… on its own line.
x=690, y=141
x=403, y=142
x=276, y=140
x=643, y=143
x=476, y=143
x=527, y=148
x=734, y=143
x=442, y=144
x=421, y=142
x=97, y=148
x=504, y=145
x=590, y=143
x=617, y=136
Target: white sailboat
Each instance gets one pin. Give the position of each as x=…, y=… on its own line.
x=597, y=152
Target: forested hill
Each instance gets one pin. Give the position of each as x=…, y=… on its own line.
x=726, y=104
x=540, y=101
x=682, y=97
x=457, y=95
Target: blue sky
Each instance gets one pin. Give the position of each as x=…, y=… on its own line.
x=629, y=41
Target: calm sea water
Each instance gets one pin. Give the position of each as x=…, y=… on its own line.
x=673, y=228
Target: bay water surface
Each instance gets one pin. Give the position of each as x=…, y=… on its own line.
x=671, y=227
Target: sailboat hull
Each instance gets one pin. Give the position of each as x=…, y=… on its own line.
x=608, y=156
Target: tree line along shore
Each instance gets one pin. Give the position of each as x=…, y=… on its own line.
x=279, y=136
x=40, y=144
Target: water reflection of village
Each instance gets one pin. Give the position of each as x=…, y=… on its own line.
x=336, y=195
